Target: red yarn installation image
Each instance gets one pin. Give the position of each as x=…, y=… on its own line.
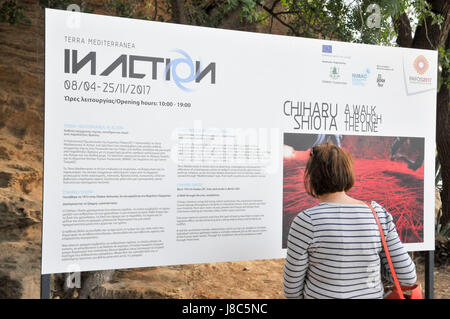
x=388, y=170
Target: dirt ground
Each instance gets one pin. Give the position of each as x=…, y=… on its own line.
x=441, y=280
x=246, y=279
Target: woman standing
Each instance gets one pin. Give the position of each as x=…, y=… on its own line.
x=334, y=249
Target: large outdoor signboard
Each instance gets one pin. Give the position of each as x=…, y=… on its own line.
x=171, y=144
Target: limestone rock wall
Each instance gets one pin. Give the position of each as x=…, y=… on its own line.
x=21, y=153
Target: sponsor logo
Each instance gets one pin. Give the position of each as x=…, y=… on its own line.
x=421, y=65
x=327, y=48
x=419, y=80
x=418, y=73
x=380, y=81
x=156, y=68
x=334, y=73
x=360, y=79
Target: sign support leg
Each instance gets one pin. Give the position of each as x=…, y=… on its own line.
x=45, y=286
x=429, y=274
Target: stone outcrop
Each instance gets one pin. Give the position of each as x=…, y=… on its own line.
x=18, y=212
x=21, y=153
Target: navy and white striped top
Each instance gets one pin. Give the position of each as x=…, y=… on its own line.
x=335, y=251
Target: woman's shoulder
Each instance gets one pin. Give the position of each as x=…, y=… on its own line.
x=381, y=211
x=325, y=206
x=376, y=205
x=312, y=209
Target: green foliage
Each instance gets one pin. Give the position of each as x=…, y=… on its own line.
x=126, y=9
x=157, y=10
x=208, y=13
x=211, y=13
x=318, y=18
x=12, y=13
x=423, y=11
x=250, y=11
x=332, y=19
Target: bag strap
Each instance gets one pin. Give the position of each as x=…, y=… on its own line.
x=386, y=250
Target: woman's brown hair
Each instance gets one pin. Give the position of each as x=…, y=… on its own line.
x=329, y=170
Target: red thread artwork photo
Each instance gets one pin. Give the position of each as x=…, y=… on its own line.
x=388, y=170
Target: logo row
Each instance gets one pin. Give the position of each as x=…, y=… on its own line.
x=337, y=75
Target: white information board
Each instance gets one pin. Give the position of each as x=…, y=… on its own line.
x=171, y=144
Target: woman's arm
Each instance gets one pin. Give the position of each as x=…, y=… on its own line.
x=403, y=264
x=296, y=265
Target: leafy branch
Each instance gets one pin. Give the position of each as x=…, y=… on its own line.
x=12, y=13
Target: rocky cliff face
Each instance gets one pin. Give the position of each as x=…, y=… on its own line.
x=21, y=153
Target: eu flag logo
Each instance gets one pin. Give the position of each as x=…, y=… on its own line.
x=327, y=48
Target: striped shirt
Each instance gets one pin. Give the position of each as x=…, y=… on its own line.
x=335, y=251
